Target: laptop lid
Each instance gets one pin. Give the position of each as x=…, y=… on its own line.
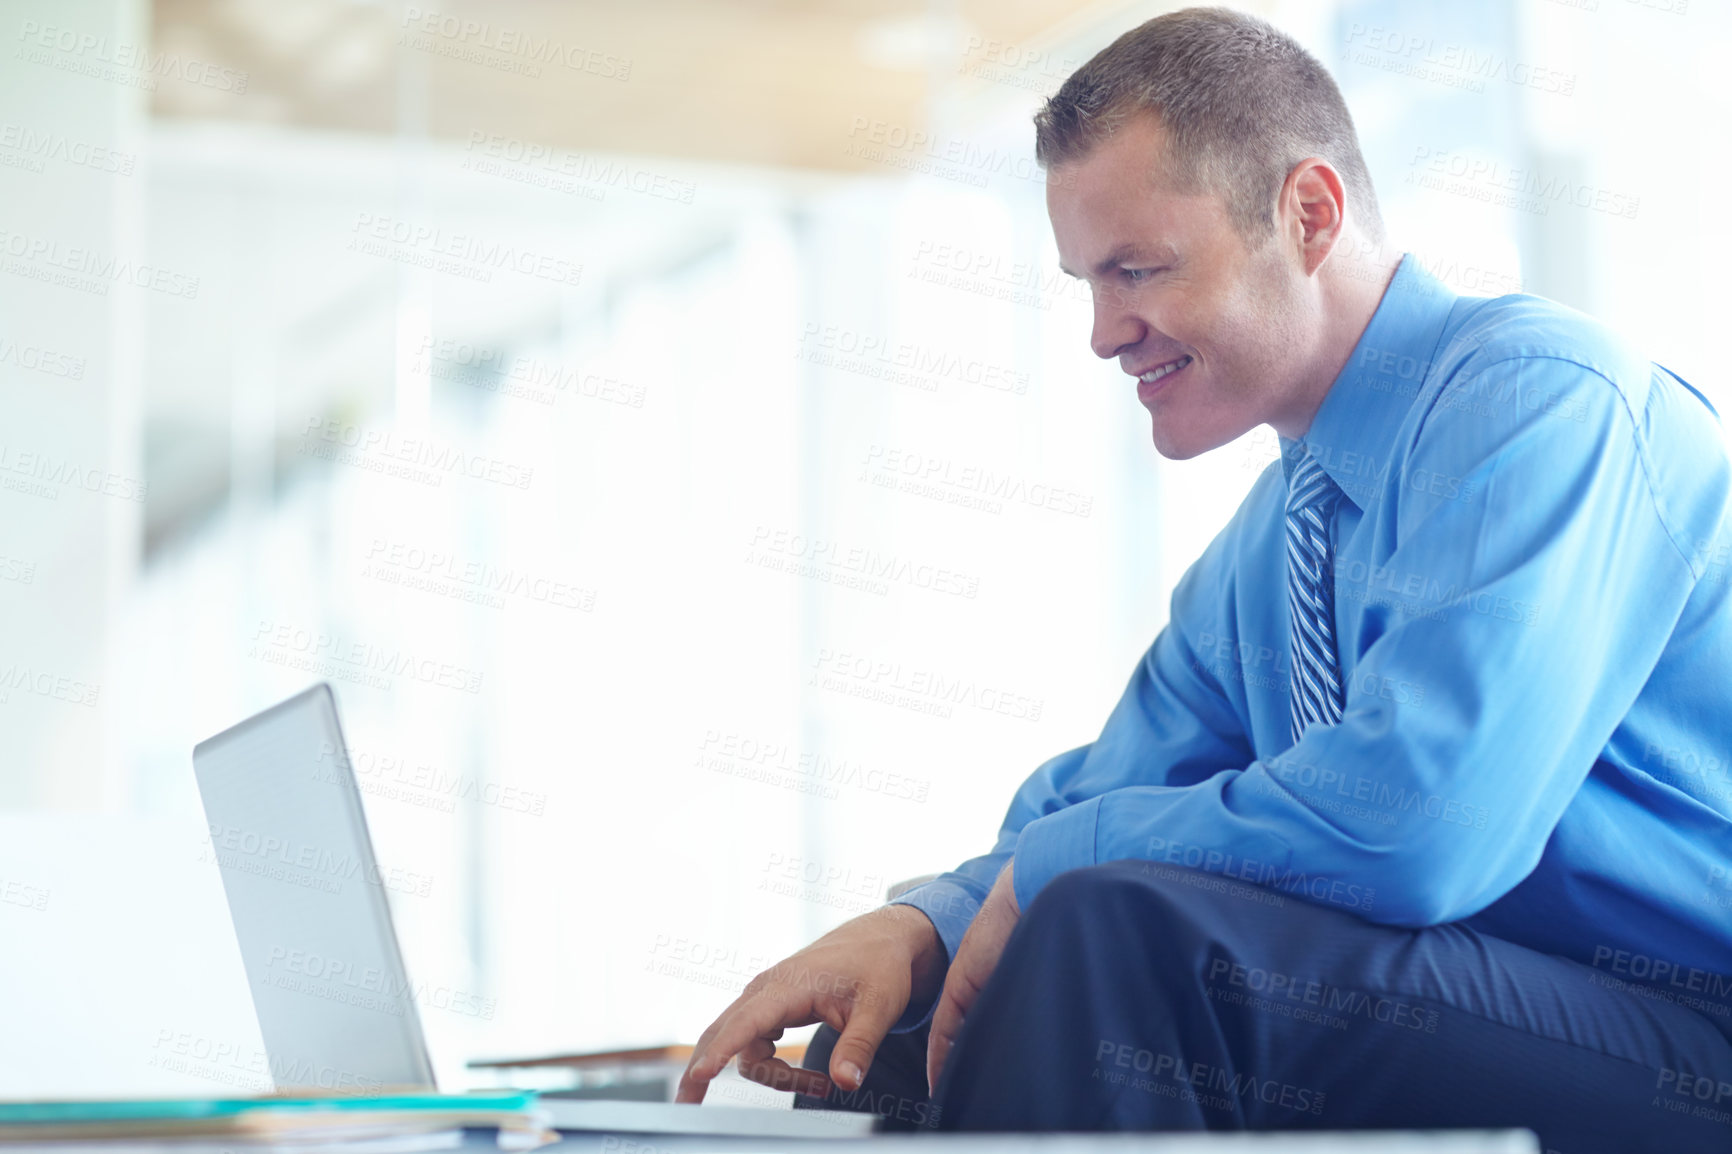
x=304, y=890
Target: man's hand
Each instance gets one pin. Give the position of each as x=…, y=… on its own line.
x=859, y=978
x=973, y=964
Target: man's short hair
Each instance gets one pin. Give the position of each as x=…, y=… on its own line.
x=1241, y=103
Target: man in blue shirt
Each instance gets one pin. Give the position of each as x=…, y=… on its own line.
x=1417, y=813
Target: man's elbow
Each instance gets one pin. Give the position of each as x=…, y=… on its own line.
x=1424, y=885
x=1416, y=907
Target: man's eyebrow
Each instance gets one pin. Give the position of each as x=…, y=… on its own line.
x=1119, y=255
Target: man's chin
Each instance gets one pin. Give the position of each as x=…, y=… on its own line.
x=1176, y=445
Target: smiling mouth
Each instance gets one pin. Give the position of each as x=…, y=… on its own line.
x=1150, y=382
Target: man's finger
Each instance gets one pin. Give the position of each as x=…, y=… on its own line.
x=702, y=1067
x=691, y=1089
x=870, y=1016
x=758, y=1062
x=756, y=1050
x=759, y=1018
x=954, y=1002
x=945, y=1019
x=773, y=1072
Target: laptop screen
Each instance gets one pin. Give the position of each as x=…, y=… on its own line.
x=286, y=826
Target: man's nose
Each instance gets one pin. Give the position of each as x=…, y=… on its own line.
x=1116, y=327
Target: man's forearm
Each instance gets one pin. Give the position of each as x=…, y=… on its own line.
x=947, y=905
x=927, y=956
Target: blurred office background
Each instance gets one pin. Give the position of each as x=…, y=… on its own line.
x=665, y=425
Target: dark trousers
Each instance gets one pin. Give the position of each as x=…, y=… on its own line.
x=1140, y=996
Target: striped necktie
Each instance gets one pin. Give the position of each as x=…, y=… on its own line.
x=1316, y=692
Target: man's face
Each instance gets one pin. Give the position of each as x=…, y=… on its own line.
x=1178, y=291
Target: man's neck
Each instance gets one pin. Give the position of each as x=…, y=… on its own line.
x=1352, y=282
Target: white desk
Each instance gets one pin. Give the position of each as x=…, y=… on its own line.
x=1455, y=1142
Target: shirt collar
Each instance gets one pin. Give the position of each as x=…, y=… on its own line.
x=1354, y=429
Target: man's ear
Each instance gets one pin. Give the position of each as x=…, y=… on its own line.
x=1313, y=210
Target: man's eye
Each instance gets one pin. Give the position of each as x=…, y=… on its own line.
x=1139, y=275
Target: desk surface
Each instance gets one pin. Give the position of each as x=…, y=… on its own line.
x=1440, y=1142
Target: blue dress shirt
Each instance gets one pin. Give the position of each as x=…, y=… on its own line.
x=1531, y=610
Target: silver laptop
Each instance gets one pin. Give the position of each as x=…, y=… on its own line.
x=333, y=999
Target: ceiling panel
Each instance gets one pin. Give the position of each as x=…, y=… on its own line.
x=773, y=82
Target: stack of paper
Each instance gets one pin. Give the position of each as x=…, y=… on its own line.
x=272, y=1124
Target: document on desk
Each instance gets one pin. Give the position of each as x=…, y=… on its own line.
x=389, y=1144
x=400, y=1123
